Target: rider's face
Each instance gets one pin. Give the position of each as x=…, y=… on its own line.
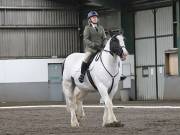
x=94, y=19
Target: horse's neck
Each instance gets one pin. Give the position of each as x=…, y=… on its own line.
x=110, y=62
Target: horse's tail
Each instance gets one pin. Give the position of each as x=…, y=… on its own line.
x=63, y=66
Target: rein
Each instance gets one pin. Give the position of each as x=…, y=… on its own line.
x=108, y=52
x=113, y=76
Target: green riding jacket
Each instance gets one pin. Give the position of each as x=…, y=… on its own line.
x=94, y=39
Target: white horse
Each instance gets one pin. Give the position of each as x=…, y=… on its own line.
x=104, y=71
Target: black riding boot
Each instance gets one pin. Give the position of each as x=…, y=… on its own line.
x=84, y=67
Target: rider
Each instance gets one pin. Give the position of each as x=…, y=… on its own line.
x=94, y=38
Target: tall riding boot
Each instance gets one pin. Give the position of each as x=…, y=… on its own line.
x=84, y=67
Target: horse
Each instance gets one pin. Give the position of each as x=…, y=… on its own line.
x=103, y=76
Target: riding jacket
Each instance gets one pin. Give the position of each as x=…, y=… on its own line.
x=94, y=38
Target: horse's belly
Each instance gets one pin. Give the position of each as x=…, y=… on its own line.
x=73, y=70
x=86, y=85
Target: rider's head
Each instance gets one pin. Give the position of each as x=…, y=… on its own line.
x=93, y=17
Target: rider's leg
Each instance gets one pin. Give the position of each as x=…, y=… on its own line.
x=85, y=66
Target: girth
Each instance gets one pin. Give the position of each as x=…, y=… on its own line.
x=93, y=84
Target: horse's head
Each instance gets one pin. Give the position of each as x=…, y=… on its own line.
x=117, y=45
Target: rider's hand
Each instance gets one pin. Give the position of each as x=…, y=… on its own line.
x=97, y=47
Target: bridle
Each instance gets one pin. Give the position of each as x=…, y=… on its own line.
x=110, y=74
x=110, y=51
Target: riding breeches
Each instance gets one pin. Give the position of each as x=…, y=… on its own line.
x=87, y=56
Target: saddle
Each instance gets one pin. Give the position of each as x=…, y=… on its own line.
x=92, y=58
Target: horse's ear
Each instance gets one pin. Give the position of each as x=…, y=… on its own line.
x=111, y=33
x=115, y=32
x=121, y=32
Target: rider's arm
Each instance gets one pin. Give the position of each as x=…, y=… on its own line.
x=104, y=38
x=86, y=37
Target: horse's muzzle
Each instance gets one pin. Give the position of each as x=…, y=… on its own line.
x=123, y=55
x=123, y=58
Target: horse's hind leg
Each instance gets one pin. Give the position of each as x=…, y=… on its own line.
x=68, y=88
x=79, y=96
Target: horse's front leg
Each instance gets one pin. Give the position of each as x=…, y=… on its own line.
x=113, y=92
x=109, y=116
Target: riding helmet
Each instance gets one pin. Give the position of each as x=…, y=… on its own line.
x=92, y=13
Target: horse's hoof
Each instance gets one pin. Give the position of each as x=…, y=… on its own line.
x=75, y=125
x=114, y=124
x=80, y=119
